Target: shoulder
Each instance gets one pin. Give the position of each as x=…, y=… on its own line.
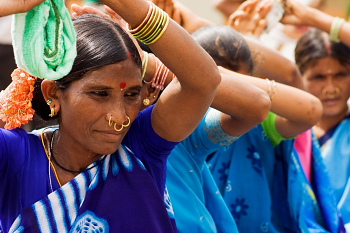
x=15, y=147
x=142, y=137
x=13, y=136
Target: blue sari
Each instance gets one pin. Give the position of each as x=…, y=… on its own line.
x=85, y=204
x=335, y=147
x=266, y=189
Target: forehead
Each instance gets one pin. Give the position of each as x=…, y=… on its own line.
x=125, y=71
x=327, y=63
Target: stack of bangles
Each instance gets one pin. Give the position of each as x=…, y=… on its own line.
x=160, y=74
x=152, y=27
x=271, y=88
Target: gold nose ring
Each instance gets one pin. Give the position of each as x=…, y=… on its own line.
x=127, y=123
x=118, y=130
x=123, y=126
x=110, y=122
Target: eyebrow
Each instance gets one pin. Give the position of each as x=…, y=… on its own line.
x=104, y=87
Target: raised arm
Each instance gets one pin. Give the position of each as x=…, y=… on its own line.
x=185, y=101
x=242, y=104
x=297, y=110
x=299, y=14
x=266, y=60
x=17, y=6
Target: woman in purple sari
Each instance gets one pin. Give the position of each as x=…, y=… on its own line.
x=102, y=168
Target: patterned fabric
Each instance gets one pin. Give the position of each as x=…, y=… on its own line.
x=83, y=205
x=336, y=155
x=198, y=205
x=265, y=187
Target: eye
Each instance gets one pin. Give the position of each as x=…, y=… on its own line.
x=99, y=93
x=317, y=77
x=133, y=94
x=342, y=75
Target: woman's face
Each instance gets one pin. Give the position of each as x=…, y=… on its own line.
x=330, y=82
x=86, y=106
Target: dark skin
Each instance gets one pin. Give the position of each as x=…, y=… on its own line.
x=17, y=6
x=85, y=107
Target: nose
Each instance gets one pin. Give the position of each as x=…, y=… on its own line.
x=330, y=89
x=119, y=120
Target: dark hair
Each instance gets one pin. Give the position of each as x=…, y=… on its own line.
x=226, y=46
x=315, y=45
x=100, y=42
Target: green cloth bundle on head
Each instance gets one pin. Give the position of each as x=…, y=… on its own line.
x=44, y=40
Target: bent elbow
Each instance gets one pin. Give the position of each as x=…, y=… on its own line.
x=264, y=108
x=315, y=112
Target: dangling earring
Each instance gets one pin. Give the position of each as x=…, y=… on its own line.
x=146, y=102
x=52, y=112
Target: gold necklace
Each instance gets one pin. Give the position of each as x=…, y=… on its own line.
x=48, y=155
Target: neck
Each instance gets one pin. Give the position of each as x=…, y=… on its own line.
x=70, y=158
x=327, y=123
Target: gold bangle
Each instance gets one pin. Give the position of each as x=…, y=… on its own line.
x=145, y=20
x=162, y=30
x=144, y=64
x=337, y=23
x=273, y=91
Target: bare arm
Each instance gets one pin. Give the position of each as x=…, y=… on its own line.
x=267, y=60
x=184, y=102
x=243, y=105
x=297, y=110
x=299, y=14
x=8, y=7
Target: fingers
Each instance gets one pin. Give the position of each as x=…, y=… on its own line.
x=260, y=28
x=249, y=18
x=81, y=10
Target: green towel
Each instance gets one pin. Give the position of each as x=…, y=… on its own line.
x=44, y=40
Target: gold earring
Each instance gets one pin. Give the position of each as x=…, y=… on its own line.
x=110, y=122
x=49, y=101
x=146, y=102
x=118, y=130
x=52, y=112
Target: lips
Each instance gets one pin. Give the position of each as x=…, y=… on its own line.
x=331, y=101
x=111, y=135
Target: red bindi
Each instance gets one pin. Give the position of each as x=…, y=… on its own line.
x=129, y=55
x=122, y=85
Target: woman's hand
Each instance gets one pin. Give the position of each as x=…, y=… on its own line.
x=295, y=13
x=249, y=18
x=8, y=7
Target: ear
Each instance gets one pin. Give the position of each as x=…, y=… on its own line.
x=51, y=92
x=153, y=94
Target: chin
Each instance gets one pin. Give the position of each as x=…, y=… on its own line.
x=332, y=113
x=106, y=150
